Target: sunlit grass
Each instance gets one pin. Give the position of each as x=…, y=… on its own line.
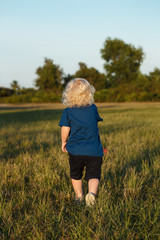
x=36, y=196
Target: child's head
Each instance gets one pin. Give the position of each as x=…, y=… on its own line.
x=78, y=93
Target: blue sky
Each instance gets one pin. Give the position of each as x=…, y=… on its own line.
x=72, y=31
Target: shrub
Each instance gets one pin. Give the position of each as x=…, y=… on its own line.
x=5, y=92
x=145, y=96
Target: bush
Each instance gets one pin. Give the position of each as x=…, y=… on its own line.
x=133, y=91
x=126, y=93
x=33, y=97
x=145, y=96
x=131, y=97
x=5, y=92
x=101, y=96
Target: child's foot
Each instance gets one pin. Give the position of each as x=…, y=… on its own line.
x=90, y=199
x=79, y=198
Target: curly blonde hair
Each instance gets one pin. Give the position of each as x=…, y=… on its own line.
x=78, y=93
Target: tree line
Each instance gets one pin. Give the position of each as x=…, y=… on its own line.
x=122, y=80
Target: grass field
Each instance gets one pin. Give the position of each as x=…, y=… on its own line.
x=36, y=196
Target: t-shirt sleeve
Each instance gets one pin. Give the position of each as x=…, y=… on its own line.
x=98, y=117
x=64, y=120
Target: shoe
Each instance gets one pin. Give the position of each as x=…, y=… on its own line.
x=79, y=199
x=90, y=199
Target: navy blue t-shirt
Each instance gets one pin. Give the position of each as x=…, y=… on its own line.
x=84, y=134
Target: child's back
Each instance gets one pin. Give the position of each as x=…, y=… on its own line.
x=84, y=135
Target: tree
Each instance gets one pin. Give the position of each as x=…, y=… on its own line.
x=122, y=61
x=97, y=79
x=154, y=81
x=15, y=86
x=66, y=79
x=49, y=76
x=6, y=92
x=155, y=75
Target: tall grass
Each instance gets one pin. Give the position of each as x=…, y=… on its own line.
x=36, y=196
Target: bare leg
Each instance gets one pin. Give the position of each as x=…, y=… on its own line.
x=77, y=185
x=92, y=190
x=93, y=185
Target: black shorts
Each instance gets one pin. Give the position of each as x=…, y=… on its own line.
x=92, y=163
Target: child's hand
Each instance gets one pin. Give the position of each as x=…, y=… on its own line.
x=64, y=147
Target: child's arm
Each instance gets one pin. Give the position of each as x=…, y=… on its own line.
x=64, y=135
